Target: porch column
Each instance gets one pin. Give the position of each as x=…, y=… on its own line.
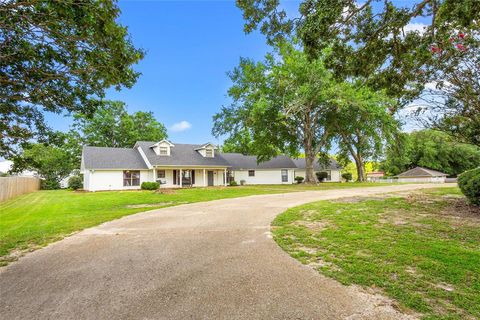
x=225, y=177
x=181, y=170
x=204, y=179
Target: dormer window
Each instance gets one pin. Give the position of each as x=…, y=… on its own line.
x=207, y=150
x=162, y=148
x=163, y=151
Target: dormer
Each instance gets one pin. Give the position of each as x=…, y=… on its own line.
x=207, y=150
x=162, y=148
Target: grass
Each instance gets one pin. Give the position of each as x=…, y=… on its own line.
x=422, y=250
x=36, y=219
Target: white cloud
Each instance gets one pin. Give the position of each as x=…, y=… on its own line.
x=181, y=126
x=415, y=26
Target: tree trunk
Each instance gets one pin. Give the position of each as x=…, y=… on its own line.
x=310, y=155
x=310, y=158
x=360, y=168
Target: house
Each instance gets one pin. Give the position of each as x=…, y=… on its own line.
x=420, y=174
x=332, y=170
x=375, y=175
x=279, y=170
x=180, y=165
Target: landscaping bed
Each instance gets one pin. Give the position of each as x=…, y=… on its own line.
x=422, y=249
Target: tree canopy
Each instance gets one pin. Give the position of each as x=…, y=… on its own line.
x=112, y=126
x=58, y=56
x=279, y=106
x=377, y=40
x=50, y=162
x=363, y=124
x=431, y=149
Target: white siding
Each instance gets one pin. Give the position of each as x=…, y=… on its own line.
x=96, y=180
x=335, y=175
x=423, y=180
x=217, y=177
x=272, y=176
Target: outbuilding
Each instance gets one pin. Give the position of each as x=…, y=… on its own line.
x=420, y=174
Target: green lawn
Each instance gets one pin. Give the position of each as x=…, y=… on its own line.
x=33, y=220
x=422, y=250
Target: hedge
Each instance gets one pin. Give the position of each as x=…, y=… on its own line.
x=150, y=185
x=75, y=182
x=469, y=183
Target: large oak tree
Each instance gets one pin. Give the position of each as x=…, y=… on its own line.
x=279, y=106
x=58, y=56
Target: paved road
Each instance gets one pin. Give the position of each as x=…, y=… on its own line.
x=211, y=260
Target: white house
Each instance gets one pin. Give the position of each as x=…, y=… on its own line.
x=180, y=165
x=420, y=174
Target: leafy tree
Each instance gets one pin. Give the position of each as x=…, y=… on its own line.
x=58, y=56
x=50, y=162
x=113, y=126
x=363, y=124
x=371, y=39
x=431, y=149
x=453, y=105
x=279, y=106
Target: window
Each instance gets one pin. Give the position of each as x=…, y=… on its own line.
x=163, y=151
x=251, y=173
x=131, y=178
x=284, y=175
x=209, y=153
x=160, y=174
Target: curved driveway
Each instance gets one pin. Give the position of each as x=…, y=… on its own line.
x=210, y=260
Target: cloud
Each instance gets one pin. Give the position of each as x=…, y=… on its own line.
x=415, y=26
x=181, y=126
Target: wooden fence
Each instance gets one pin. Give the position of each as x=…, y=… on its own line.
x=14, y=186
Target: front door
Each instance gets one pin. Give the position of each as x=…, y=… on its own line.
x=210, y=178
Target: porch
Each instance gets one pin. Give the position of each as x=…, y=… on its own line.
x=180, y=177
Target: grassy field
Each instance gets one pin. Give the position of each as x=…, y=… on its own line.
x=33, y=220
x=422, y=250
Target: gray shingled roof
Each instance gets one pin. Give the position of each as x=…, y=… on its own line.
x=181, y=155
x=301, y=164
x=112, y=158
x=422, y=172
x=239, y=161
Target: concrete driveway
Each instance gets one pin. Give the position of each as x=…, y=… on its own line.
x=210, y=260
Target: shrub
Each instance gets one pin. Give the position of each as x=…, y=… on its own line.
x=242, y=182
x=75, y=182
x=469, y=183
x=347, y=176
x=321, y=175
x=233, y=183
x=49, y=184
x=150, y=185
x=299, y=179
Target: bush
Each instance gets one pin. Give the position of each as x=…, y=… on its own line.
x=242, y=182
x=299, y=179
x=469, y=183
x=49, y=184
x=321, y=175
x=347, y=176
x=150, y=185
x=233, y=183
x=75, y=182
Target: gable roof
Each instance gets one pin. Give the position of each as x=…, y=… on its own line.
x=181, y=155
x=301, y=164
x=112, y=158
x=239, y=161
x=422, y=172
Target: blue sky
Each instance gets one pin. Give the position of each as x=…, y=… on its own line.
x=190, y=46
